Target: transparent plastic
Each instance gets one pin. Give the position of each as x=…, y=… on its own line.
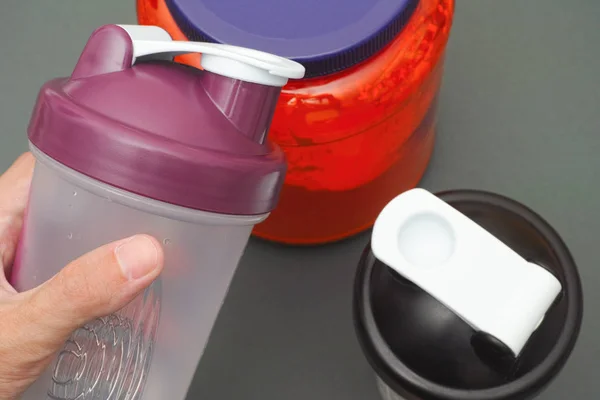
x=354, y=139
x=151, y=348
x=386, y=392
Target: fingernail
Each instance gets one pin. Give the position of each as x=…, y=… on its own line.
x=137, y=257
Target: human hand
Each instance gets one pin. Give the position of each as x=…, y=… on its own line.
x=34, y=325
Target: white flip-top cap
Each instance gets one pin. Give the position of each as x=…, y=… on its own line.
x=231, y=61
x=463, y=266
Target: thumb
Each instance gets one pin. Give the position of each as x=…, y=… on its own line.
x=95, y=285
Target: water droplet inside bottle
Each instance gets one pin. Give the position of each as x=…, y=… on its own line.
x=74, y=193
x=167, y=242
x=70, y=235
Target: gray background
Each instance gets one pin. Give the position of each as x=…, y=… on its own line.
x=519, y=115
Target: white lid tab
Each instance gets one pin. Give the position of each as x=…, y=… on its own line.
x=463, y=266
x=241, y=63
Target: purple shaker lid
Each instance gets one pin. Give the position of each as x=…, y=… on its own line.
x=326, y=36
x=167, y=131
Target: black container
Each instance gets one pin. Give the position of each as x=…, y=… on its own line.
x=420, y=350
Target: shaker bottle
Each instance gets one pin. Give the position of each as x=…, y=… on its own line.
x=134, y=143
x=465, y=296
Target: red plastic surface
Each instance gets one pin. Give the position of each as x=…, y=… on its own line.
x=355, y=139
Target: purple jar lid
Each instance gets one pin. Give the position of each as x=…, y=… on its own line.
x=162, y=130
x=326, y=36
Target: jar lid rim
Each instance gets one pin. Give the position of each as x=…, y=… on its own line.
x=314, y=33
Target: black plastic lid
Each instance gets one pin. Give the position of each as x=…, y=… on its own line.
x=422, y=350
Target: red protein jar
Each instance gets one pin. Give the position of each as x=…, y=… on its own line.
x=359, y=129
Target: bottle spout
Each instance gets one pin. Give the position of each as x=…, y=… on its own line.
x=248, y=106
x=244, y=84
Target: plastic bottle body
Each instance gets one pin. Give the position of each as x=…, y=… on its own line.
x=386, y=392
x=151, y=348
x=354, y=139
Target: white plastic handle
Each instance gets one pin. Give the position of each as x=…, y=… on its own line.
x=231, y=61
x=463, y=266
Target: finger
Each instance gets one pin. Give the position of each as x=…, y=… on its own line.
x=97, y=284
x=14, y=191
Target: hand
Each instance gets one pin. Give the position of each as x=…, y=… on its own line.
x=34, y=325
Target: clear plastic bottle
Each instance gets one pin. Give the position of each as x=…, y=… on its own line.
x=126, y=147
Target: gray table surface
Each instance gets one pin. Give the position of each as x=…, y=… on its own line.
x=519, y=115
